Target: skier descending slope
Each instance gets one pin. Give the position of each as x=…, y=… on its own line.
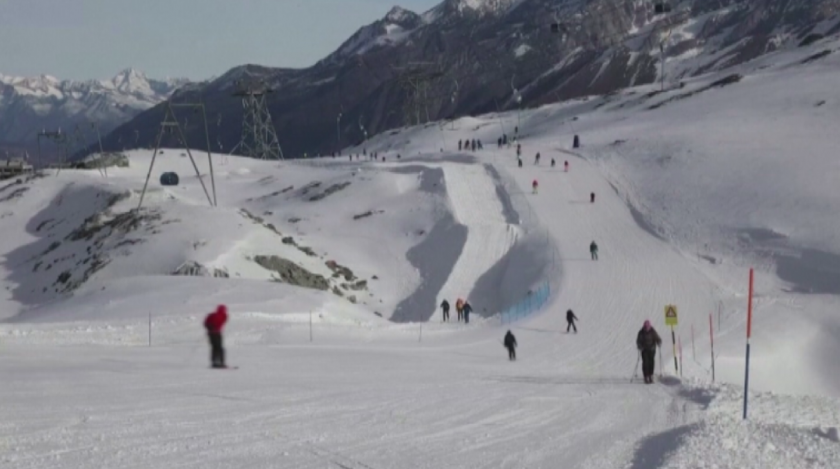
x=510, y=345
x=570, y=319
x=646, y=341
x=214, y=322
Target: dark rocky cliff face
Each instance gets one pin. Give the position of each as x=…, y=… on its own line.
x=482, y=54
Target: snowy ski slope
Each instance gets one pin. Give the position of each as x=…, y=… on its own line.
x=690, y=194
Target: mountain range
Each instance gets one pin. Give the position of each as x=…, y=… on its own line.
x=481, y=56
x=29, y=105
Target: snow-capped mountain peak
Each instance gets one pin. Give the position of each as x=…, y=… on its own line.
x=45, y=101
x=131, y=81
x=399, y=15
x=393, y=29
x=478, y=6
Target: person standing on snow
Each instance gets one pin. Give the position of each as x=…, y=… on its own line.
x=570, y=319
x=445, y=307
x=534, y=186
x=214, y=322
x=537, y=159
x=566, y=166
x=593, y=251
x=646, y=341
x=510, y=345
x=467, y=308
x=459, y=307
x=552, y=162
x=591, y=197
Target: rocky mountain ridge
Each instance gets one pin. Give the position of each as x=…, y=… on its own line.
x=487, y=55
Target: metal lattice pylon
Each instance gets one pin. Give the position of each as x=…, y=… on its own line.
x=62, y=143
x=417, y=79
x=170, y=122
x=80, y=140
x=259, y=139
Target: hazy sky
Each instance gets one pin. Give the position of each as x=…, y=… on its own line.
x=82, y=39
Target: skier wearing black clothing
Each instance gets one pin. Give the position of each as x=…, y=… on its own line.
x=593, y=251
x=445, y=307
x=467, y=309
x=510, y=345
x=646, y=341
x=570, y=319
x=552, y=162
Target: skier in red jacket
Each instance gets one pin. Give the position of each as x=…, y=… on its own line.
x=214, y=324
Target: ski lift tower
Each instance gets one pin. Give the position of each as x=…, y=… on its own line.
x=62, y=146
x=259, y=139
x=416, y=78
x=80, y=140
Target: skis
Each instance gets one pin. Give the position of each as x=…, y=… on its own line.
x=224, y=367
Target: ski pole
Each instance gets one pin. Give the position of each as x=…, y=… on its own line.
x=636, y=369
x=660, y=362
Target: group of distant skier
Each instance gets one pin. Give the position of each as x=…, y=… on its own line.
x=463, y=308
x=472, y=145
x=647, y=341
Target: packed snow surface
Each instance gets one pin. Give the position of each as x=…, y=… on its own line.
x=333, y=270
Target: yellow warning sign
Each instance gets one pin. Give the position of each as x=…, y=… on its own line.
x=671, y=315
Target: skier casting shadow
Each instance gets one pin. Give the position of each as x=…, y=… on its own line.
x=646, y=342
x=510, y=345
x=214, y=322
x=570, y=319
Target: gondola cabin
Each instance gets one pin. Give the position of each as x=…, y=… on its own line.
x=661, y=8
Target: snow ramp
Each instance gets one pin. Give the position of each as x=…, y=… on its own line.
x=475, y=204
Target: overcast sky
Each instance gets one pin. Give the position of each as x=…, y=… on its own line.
x=197, y=39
